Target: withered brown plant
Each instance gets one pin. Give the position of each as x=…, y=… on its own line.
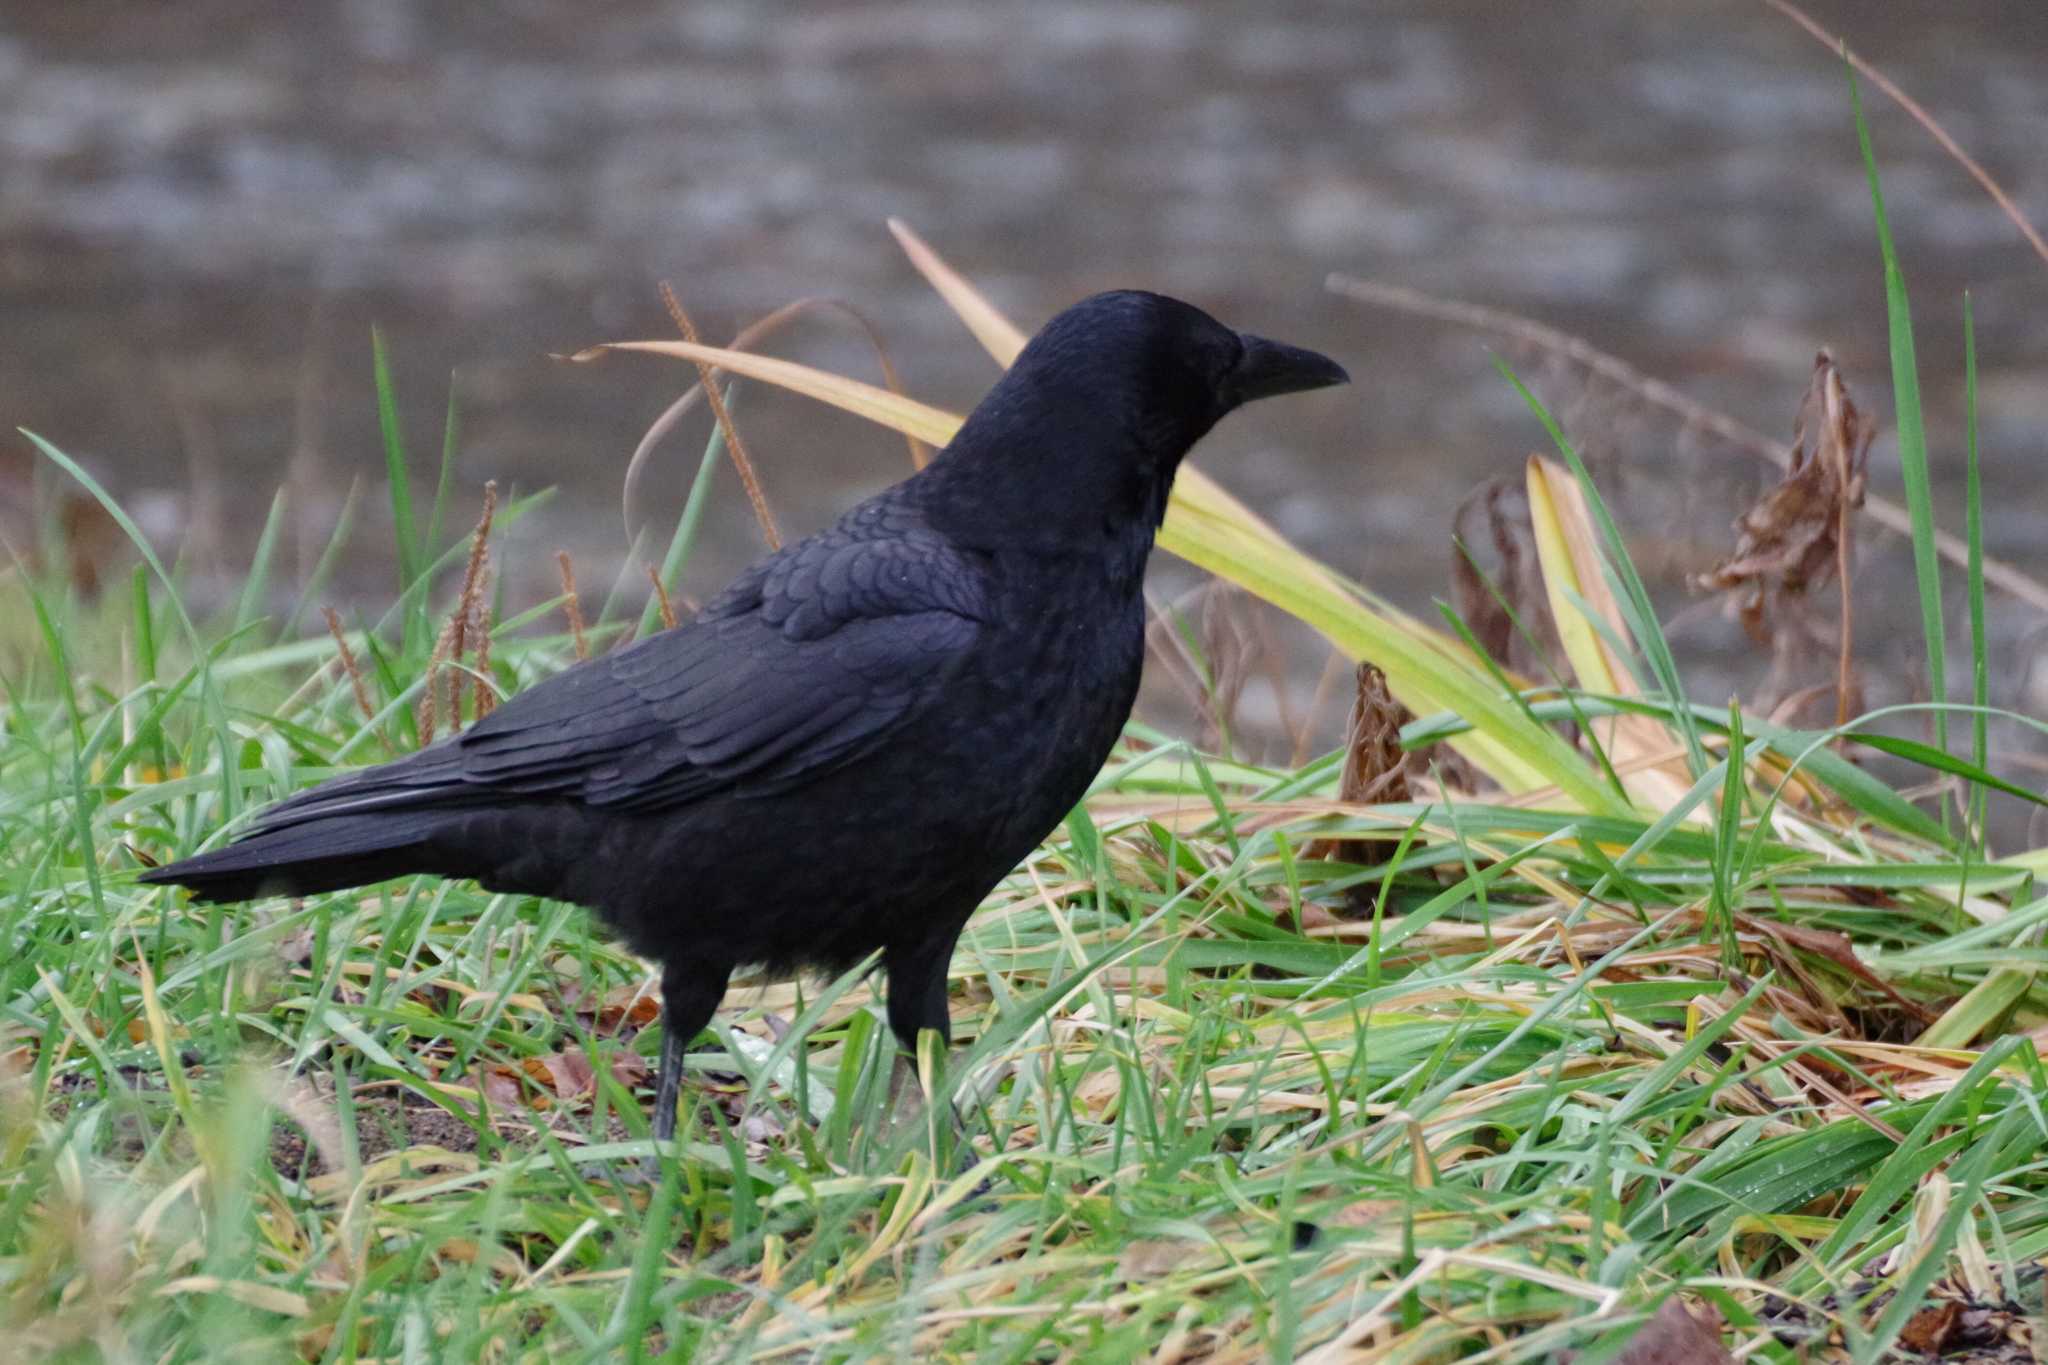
x=748, y=338
x=429, y=718
x=486, y=695
x=1799, y=535
x=468, y=621
x=1375, y=765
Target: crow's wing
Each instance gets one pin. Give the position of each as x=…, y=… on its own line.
x=809, y=660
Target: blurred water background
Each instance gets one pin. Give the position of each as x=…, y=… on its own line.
x=204, y=206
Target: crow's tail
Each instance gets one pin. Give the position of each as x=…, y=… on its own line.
x=323, y=854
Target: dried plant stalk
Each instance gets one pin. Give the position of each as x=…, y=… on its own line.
x=1516, y=593
x=1926, y=120
x=1229, y=648
x=740, y=459
x=435, y=662
x=465, y=615
x=486, y=695
x=1212, y=671
x=667, y=608
x=469, y=625
x=472, y=573
x=349, y=664
x=572, y=605
x=747, y=338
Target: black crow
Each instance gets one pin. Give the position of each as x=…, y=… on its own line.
x=867, y=730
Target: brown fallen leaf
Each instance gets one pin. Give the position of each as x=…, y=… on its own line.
x=629, y=1069
x=1675, y=1336
x=633, y=1006
x=556, y=1078
x=568, y=1074
x=1932, y=1328
x=500, y=1085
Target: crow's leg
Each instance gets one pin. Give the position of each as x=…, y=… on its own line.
x=917, y=988
x=917, y=1001
x=689, y=996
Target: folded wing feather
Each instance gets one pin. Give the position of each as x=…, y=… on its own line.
x=806, y=662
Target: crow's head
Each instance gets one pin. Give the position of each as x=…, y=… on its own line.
x=1099, y=409
x=1159, y=370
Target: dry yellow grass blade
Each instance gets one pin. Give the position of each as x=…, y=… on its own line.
x=1000, y=337
x=1568, y=550
x=262, y=1296
x=147, y=1226
x=892, y=410
x=399, y=1170
x=1571, y=565
x=205, y=1138
x=748, y=338
x=1425, y=671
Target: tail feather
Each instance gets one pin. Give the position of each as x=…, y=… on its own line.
x=303, y=859
x=427, y=779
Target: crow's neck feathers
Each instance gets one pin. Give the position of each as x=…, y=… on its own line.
x=1067, y=487
x=1078, y=443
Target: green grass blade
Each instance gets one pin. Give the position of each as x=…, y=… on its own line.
x=1912, y=430
x=684, y=539
x=1727, y=837
x=1973, y=497
x=145, y=624
x=404, y=533
x=1941, y=761
x=216, y=711
x=256, y=586
x=144, y=618
x=323, y=567
x=451, y=429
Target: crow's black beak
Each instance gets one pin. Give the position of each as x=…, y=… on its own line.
x=1268, y=368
